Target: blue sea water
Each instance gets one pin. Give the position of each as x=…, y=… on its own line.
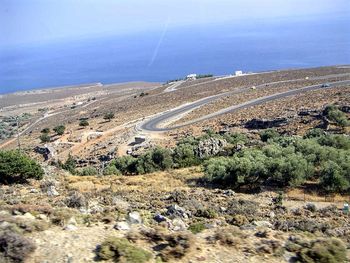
x=164, y=55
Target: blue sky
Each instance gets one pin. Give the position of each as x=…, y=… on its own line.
x=37, y=21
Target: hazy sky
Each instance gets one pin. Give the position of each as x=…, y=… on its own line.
x=33, y=21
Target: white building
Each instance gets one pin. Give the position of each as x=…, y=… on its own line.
x=238, y=73
x=191, y=77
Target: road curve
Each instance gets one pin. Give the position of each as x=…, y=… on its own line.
x=152, y=125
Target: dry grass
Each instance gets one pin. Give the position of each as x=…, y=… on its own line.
x=159, y=181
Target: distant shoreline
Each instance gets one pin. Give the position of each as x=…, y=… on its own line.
x=99, y=84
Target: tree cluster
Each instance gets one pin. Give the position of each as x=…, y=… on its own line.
x=287, y=161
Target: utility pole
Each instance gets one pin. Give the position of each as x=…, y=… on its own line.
x=18, y=139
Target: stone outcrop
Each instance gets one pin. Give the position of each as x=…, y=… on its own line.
x=210, y=147
x=265, y=124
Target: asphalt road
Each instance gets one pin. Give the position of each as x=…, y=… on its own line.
x=154, y=123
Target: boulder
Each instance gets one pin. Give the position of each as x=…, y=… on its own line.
x=159, y=218
x=135, y=218
x=51, y=191
x=178, y=225
x=210, y=147
x=177, y=211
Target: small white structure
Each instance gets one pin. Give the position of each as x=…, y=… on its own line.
x=191, y=77
x=238, y=73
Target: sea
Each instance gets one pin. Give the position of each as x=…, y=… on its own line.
x=174, y=52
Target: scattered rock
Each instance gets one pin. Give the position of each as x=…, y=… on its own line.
x=122, y=226
x=4, y=213
x=265, y=224
x=51, y=191
x=95, y=207
x=177, y=211
x=120, y=204
x=70, y=228
x=178, y=225
x=229, y=192
x=28, y=216
x=135, y=218
x=72, y=221
x=159, y=218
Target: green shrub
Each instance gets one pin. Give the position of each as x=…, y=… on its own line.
x=45, y=130
x=235, y=138
x=111, y=170
x=196, y=228
x=60, y=129
x=335, y=141
x=206, y=213
x=69, y=165
x=88, y=171
x=162, y=158
x=333, y=178
x=145, y=164
x=108, y=116
x=45, y=138
x=84, y=123
x=154, y=160
x=125, y=164
x=16, y=167
x=333, y=114
x=184, y=155
x=314, y=133
x=121, y=250
x=268, y=134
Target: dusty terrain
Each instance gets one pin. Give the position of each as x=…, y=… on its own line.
x=110, y=199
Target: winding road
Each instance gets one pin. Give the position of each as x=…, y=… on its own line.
x=153, y=124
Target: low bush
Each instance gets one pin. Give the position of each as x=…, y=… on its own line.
x=239, y=220
x=177, y=246
x=14, y=247
x=196, y=228
x=206, y=213
x=323, y=250
x=121, y=250
x=69, y=165
x=270, y=247
x=84, y=123
x=229, y=236
x=76, y=200
x=88, y=171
